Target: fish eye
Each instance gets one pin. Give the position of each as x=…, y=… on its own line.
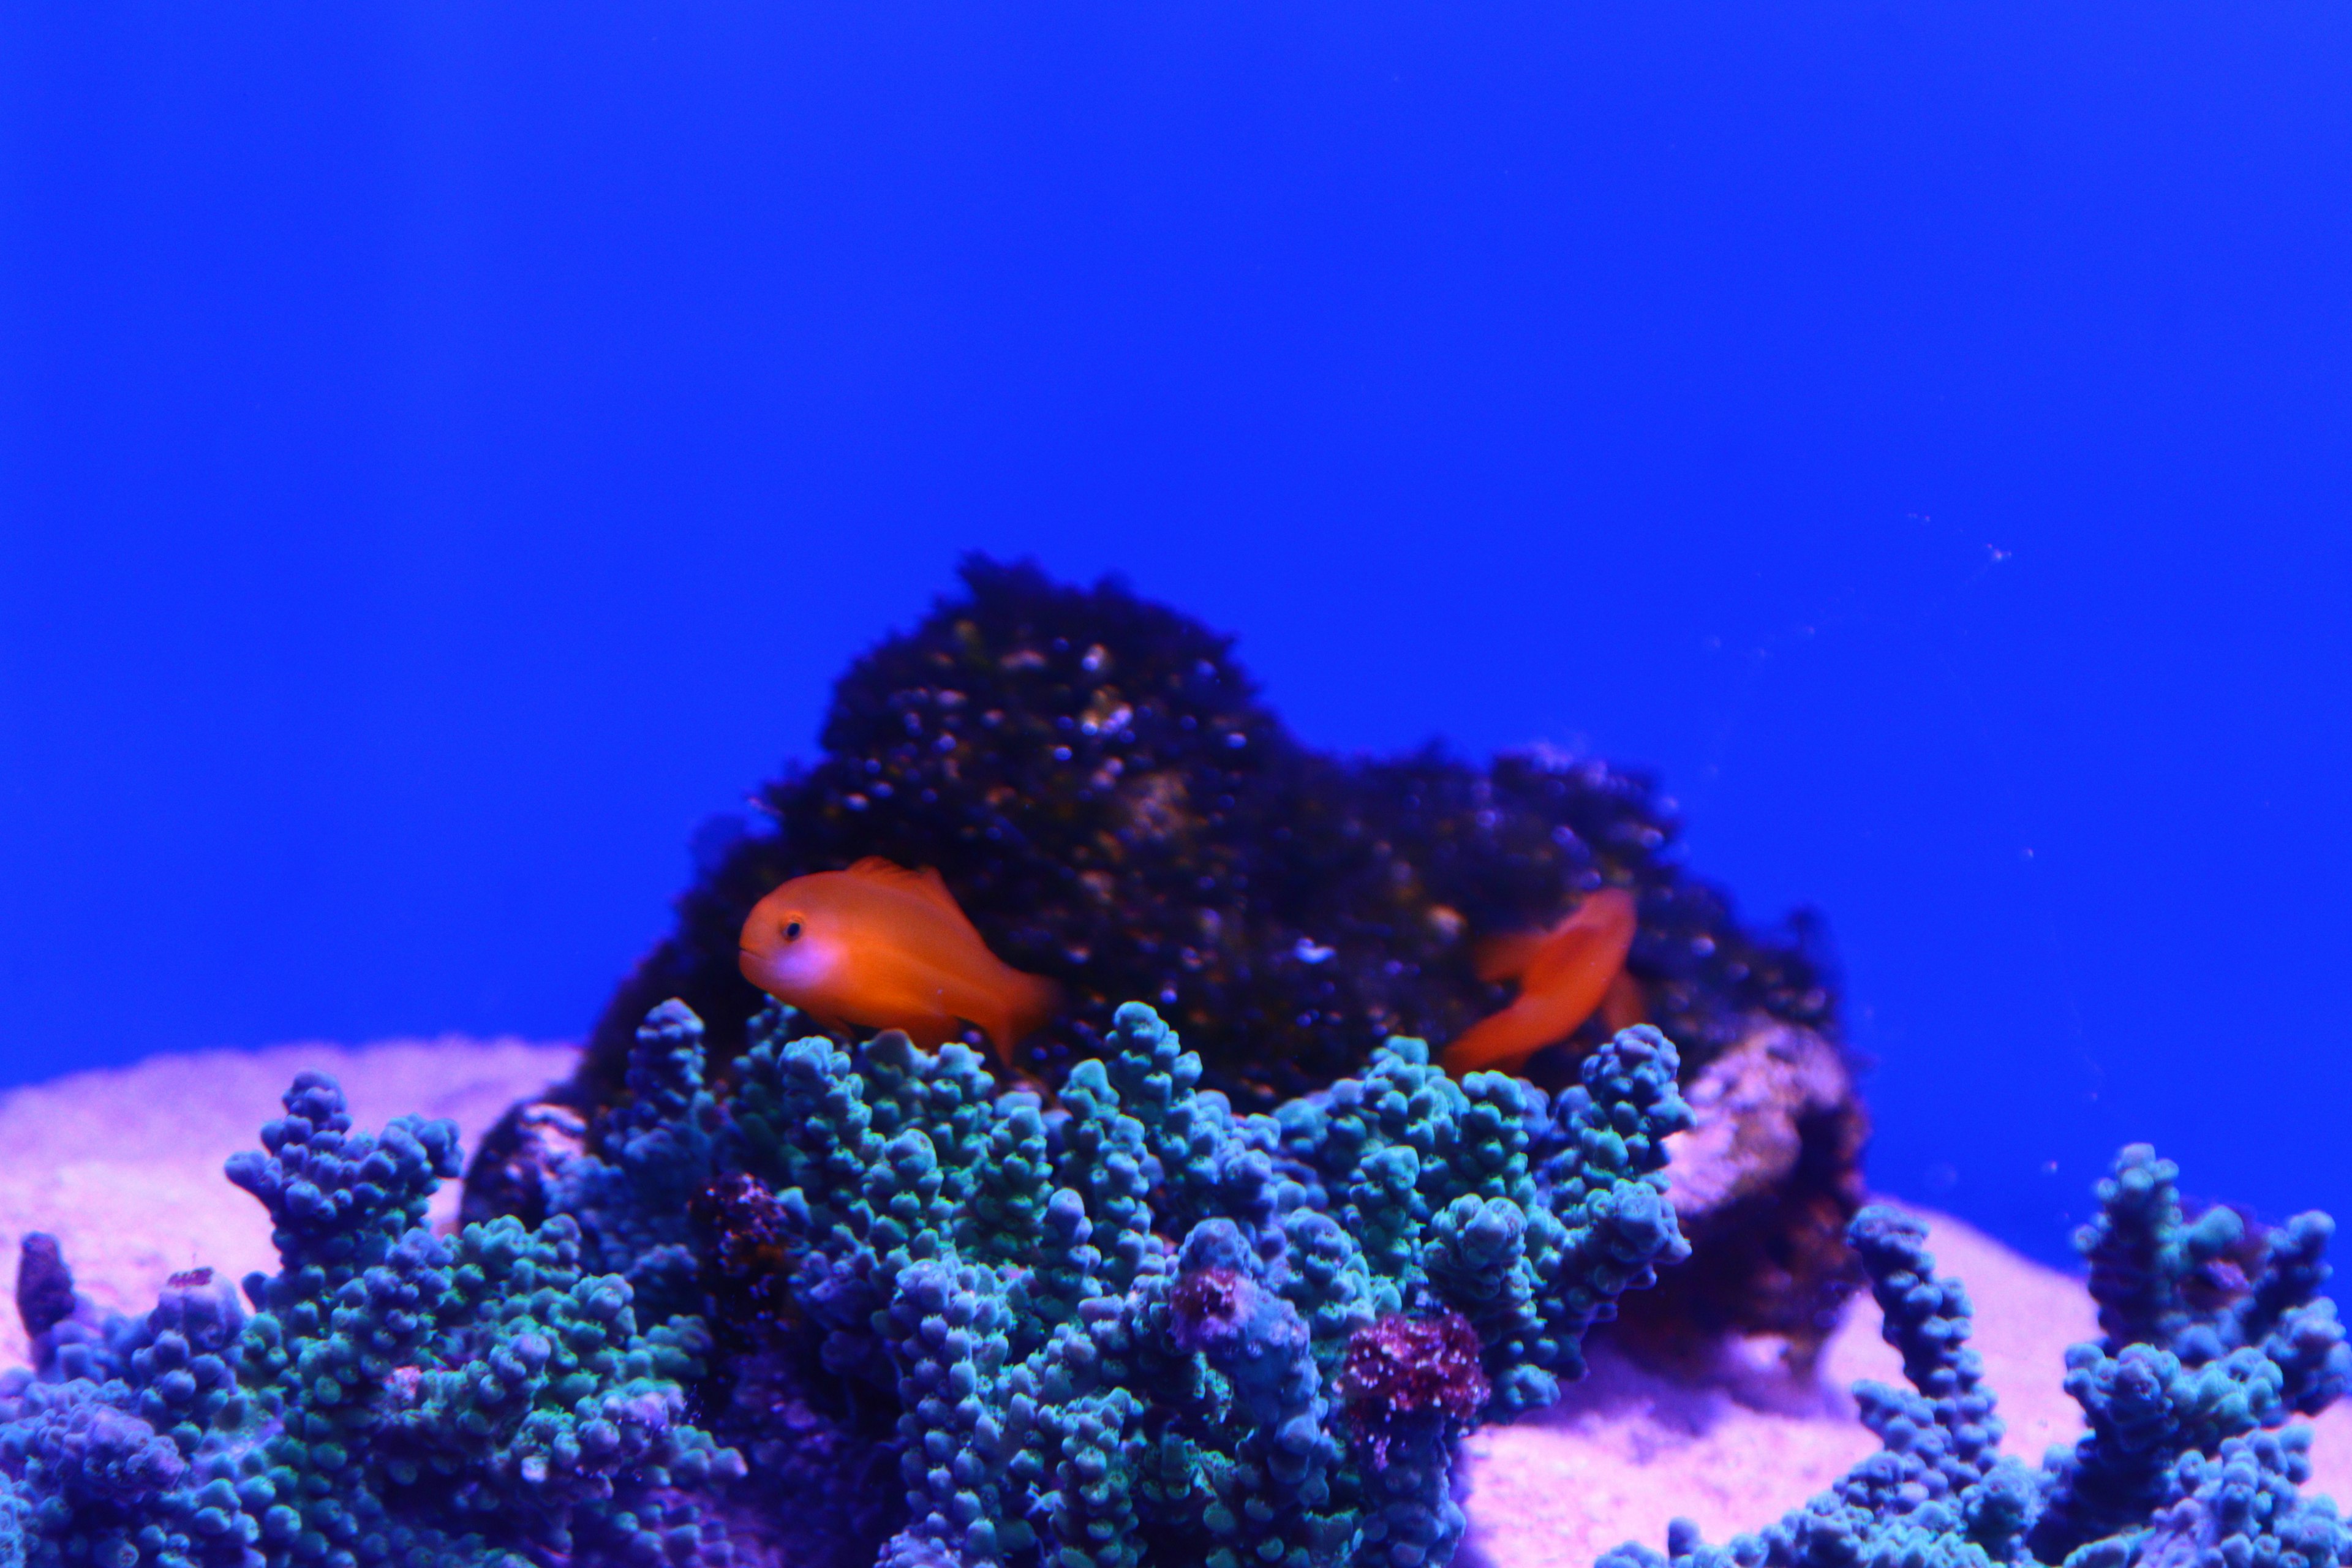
x=792, y=930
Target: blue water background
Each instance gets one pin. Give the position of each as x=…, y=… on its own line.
x=446, y=453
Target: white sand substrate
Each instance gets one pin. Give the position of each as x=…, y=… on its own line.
x=123, y=1166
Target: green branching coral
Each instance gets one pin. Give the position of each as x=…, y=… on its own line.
x=1096, y=779
x=398, y=1398
x=955, y=1327
x=2216, y=1335
x=1135, y=1327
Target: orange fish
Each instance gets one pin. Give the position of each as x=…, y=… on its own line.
x=880, y=947
x=1564, y=974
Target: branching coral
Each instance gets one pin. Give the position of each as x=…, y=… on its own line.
x=1135, y=1327
x=396, y=1398
x=2213, y=1329
x=956, y=1327
x=2216, y=1335
x=959, y=1327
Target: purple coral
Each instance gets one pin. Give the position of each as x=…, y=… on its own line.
x=1210, y=1308
x=44, y=1288
x=745, y=1246
x=1404, y=1369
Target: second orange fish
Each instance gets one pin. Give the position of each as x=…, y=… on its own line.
x=1565, y=975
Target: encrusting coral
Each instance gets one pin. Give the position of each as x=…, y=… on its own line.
x=1764, y=1186
x=2216, y=1336
x=948, y=1324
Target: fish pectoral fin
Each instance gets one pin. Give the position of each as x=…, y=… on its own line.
x=1623, y=1005
x=1500, y=1042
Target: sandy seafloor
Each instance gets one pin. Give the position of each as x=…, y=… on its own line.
x=124, y=1167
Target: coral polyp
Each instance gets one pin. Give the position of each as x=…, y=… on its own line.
x=1403, y=1370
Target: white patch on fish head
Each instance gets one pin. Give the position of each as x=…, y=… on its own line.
x=788, y=952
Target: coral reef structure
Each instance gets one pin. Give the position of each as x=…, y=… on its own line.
x=1098, y=782
x=1103, y=793
x=2215, y=1337
x=863, y=1307
x=1764, y=1184
x=1133, y=1326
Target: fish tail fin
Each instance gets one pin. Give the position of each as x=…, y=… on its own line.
x=1623, y=1005
x=1029, y=1002
x=1585, y=951
x=1039, y=1000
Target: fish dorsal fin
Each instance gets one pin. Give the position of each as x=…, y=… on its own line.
x=924, y=884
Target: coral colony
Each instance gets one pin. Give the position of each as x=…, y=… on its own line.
x=905, y=1317
x=766, y=1294
x=868, y=1308
x=2215, y=1336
